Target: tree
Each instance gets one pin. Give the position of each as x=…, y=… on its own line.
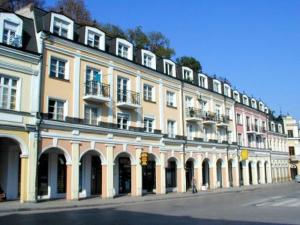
x=190, y=62
x=74, y=9
x=138, y=37
x=18, y=4
x=113, y=30
x=160, y=45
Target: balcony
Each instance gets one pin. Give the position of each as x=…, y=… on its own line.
x=97, y=92
x=209, y=118
x=222, y=121
x=128, y=100
x=193, y=114
x=250, y=129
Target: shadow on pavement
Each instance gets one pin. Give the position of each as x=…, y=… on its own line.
x=111, y=216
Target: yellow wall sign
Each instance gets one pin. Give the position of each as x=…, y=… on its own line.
x=144, y=158
x=244, y=154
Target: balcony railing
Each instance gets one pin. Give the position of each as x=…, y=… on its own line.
x=194, y=113
x=128, y=98
x=97, y=91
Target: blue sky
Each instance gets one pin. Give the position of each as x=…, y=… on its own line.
x=253, y=43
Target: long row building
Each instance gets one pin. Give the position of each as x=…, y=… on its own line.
x=83, y=114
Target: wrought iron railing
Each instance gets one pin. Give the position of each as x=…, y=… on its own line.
x=97, y=89
x=130, y=97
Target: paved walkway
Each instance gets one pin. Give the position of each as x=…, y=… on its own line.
x=16, y=206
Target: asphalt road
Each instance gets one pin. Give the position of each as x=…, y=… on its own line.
x=276, y=204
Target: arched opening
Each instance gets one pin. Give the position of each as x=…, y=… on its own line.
x=10, y=168
x=230, y=172
x=90, y=174
x=171, y=175
x=293, y=171
x=250, y=173
x=149, y=175
x=258, y=172
x=189, y=173
x=122, y=173
x=52, y=174
x=241, y=173
x=266, y=172
x=219, y=173
x=205, y=174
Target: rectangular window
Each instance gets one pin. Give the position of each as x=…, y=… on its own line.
x=292, y=150
x=226, y=91
x=56, y=109
x=58, y=68
x=8, y=92
x=10, y=34
x=169, y=69
x=216, y=86
x=290, y=133
x=171, y=129
x=60, y=27
x=148, y=125
x=239, y=118
x=171, y=99
x=190, y=131
x=187, y=75
x=123, y=50
x=90, y=115
x=93, y=39
x=122, y=89
x=202, y=81
x=148, y=60
x=123, y=120
x=148, y=92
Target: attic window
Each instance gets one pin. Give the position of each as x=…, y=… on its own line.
x=11, y=29
x=169, y=68
x=148, y=59
x=227, y=90
x=95, y=38
x=217, y=86
x=236, y=96
x=187, y=74
x=60, y=27
x=124, y=49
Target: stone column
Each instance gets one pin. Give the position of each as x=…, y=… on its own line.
x=161, y=175
x=198, y=174
x=69, y=175
x=32, y=168
x=235, y=173
x=136, y=174
x=245, y=172
x=262, y=173
x=212, y=174
x=24, y=175
x=108, y=173
x=225, y=175
x=254, y=174
x=181, y=183
x=75, y=170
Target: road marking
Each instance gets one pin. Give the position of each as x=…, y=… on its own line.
x=264, y=200
x=285, y=202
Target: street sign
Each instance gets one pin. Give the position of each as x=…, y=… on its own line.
x=244, y=154
x=144, y=158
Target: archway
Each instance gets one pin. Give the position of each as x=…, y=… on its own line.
x=171, y=174
x=205, y=173
x=258, y=166
x=189, y=173
x=10, y=168
x=90, y=174
x=293, y=171
x=219, y=173
x=149, y=175
x=122, y=173
x=266, y=172
x=241, y=173
x=250, y=172
x=230, y=172
x=52, y=174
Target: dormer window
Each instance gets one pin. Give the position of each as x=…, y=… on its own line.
x=169, y=68
x=203, y=81
x=61, y=26
x=261, y=106
x=148, y=59
x=217, y=86
x=227, y=90
x=266, y=110
x=187, y=74
x=273, y=127
x=253, y=104
x=124, y=48
x=95, y=38
x=245, y=100
x=236, y=96
x=280, y=128
x=11, y=29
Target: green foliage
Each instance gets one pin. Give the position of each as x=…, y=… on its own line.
x=190, y=62
x=113, y=30
x=138, y=37
x=17, y=4
x=160, y=45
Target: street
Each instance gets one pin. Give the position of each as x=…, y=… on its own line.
x=272, y=204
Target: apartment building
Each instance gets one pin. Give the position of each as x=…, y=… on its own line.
x=292, y=129
x=103, y=105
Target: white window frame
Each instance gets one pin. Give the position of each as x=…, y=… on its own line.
x=120, y=41
x=205, y=81
x=67, y=69
x=190, y=71
x=146, y=127
x=124, y=114
x=153, y=60
x=167, y=61
x=219, y=86
x=245, y=100
x=12, y=18
x=261, y=106
x=172, y=97
x=98, y=32
x=228, y=88
x=189, y=101
x=66, y=20
x=152, y=99
x=236, y=96
x=17, y=88
x=280, y=128
x=174, y=133
x=65, y=113
x=253, y=103
x=98, y=113
x=190, y=132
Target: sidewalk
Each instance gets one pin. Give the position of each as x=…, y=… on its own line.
x=16, y=206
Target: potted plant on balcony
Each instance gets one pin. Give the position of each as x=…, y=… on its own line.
x=192, y=112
